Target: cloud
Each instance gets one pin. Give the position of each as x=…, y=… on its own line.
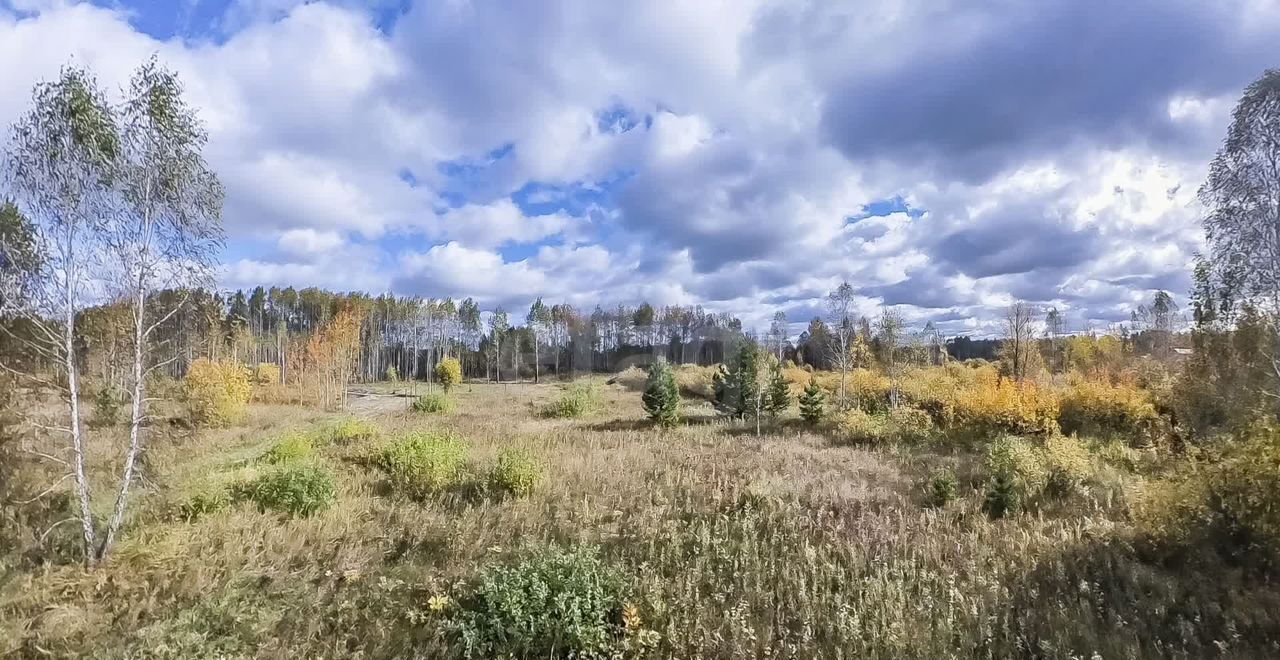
x=719, y=153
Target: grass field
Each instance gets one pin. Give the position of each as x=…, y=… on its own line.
x=724, y=544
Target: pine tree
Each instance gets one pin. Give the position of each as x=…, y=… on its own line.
x=744, y=384
x=811, y=403
x=779, y=395
x=661, y=396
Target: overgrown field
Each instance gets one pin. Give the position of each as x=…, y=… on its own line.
x=553, y=520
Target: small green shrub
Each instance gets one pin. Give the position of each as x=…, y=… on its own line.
x=942, y=488
x=293, y=447
x=516, y=472
x=208, y=498
x=433, y=402
x=552, y=603
x=812, y=401
x=661, y=397
x=393, y=374
x=296, y=489
x=578, y=400
x=350, y=429
x=421, y=464
x=106, y=406
x=1004, y=496
x=1017, y=472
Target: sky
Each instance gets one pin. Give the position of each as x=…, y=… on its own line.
x=946, y=158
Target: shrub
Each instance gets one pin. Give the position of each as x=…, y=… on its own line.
x=578, y=400
x=551, y=603
x=866, y=390
x=1018, y=462
x=449, y=373
x=350, y=429
x=661, y=398
x=942, y=488
x=991, y=406
x=420, y=464
x=292, y=447
x=1090, y=406
x=812, y=401
x=216, y=393
x=778, y=396
x=1066, y=462
x=516, y=472
x=266, y=373
x=296, y=489
x=1004, y=496
x=209, y=497
x=393, y=374
x=106, y=406
x=695, y=381
x=910, y=425
x=858, y=427
x=432, y=402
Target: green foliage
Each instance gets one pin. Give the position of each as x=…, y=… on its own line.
x=578, y=400
x=393, y=374
x=350, y=429
x=551, y=603
x=106, y=406
x=207, y=498
x=516, y=472
x=942, y=488
x=293, y=447
x=298, y=489
x=812, y=403
x=1016, y=471
x=432, y=402
x=423, y=463
x=720, y=387
x=449, y=373
x=1004, y=496
x=737, y=385
x=857, y=427
x=779, y=394
x=661, y=397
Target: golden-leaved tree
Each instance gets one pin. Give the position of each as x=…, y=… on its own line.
x=329, y=358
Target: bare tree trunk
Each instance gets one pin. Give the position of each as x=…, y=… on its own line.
x=135, y=424
x=77, y=433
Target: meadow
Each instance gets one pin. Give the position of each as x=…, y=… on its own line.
x=504, y=526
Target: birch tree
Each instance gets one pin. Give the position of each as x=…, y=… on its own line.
x=59, y=167
x=167, y=235
x=1242, y=198
x=840, y=322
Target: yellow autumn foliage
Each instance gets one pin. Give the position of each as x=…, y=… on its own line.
x=216, y=393
x=1093, y=406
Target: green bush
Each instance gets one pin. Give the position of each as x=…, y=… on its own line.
x=106, y=406
x=942, y=488
x=550, y=604
x=420, y=464
x=210, y=497
x=292, y=447
x=661, y=397
x=393, y=374
x=516, y=472
x=812, y=401
x=350, y=429
x=578, y=400
x=297, y=489
x=1016, y=472
x=433, y=402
